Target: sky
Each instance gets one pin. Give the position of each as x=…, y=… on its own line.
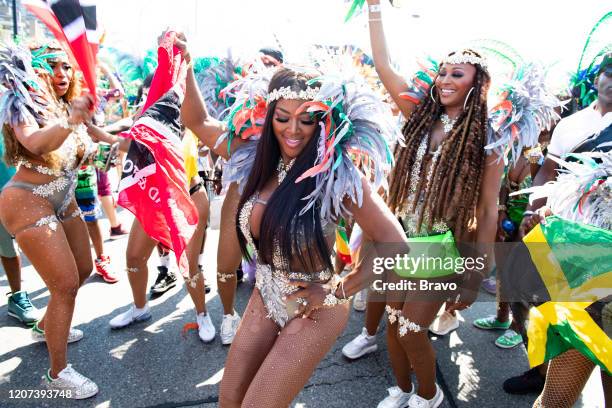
x=546, y=31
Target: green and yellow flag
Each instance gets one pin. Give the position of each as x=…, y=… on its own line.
x=574, y=262
x=342, y=243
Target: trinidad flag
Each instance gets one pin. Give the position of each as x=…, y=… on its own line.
x=74, y=24
x=154, y=186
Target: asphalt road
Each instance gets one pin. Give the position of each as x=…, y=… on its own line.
x=154, y=365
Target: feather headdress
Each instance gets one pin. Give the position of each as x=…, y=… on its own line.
x=582, y=191
x=582, y=83
x=214, y=75
x=356, y=131
x=245, y=119
x=132, y=70
x=421, y=82
x=24, y=94
x=524, y=110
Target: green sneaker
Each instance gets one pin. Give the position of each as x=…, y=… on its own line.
x=20, y=307
x=509, y=339
x=491, y=323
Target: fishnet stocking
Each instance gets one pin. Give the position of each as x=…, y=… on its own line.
x=268, y=368
x=566, y=376
x=254, y=339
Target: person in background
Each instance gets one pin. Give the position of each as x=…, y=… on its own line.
x=86, y=197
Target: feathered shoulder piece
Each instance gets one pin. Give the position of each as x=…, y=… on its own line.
x=132, y=70
x=525, y=108
x=244, y=119
x=356, y=131
x=213, y=76
x=582, y=191
x=23, y=94
x=356, y=7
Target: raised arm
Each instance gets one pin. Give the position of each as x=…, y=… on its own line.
x=112, y=79
x=391, y=79
x=196, y=117
x=49, y=138
x=194, y=113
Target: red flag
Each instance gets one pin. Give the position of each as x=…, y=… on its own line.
x=42, y=10
x=168, y=66
x=70, y=23
x=154, y=185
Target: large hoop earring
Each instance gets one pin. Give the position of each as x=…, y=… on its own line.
x=467, y=97
x=432, y=95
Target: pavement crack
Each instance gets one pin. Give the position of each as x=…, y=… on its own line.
x=209, y=400
x=331, y=383
x=332, y=364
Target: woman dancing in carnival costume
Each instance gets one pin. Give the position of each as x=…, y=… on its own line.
x=444, y=186
x=140, y=243
x=289, y=217
x=573, y=329
x=42, y=119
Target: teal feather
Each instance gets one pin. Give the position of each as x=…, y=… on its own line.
x=357, y=5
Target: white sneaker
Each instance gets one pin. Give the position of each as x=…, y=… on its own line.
x=417, y=401
x=444, y=324
x=229, y=327
x=396, y=398
x=130, y=316
x=206, y=330
x=74, y=385
x=360, y=345
x=360, y=300
x=38, y=335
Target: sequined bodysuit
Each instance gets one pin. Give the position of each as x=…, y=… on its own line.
x=59, y=192
x=409, y=222
x=408, y=217
x=272, y=281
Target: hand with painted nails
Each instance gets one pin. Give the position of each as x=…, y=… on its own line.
x=309, y=297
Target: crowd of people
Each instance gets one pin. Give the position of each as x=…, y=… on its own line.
x=325, y=169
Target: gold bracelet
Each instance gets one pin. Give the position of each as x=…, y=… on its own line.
x=375, y=19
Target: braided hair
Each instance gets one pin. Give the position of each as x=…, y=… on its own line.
x=452, y=193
